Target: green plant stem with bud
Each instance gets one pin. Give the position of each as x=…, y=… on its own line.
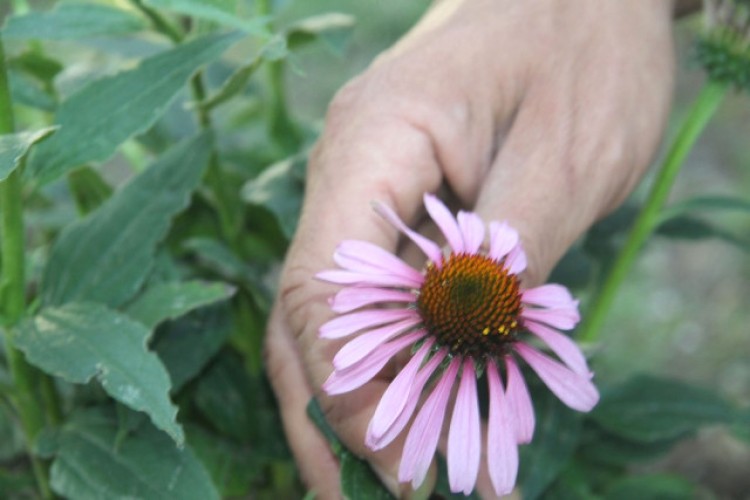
x=647, y=221
x=12, y=288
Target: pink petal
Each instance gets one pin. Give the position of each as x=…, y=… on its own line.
x=378, y=442
x=516, y=260
x=562, y=345
x=365, y=257
x=502, y=450
x=573, y=389
x=563, y=318
x=362, y=345
x=519, y=403
x=472, y=229
x=396, y=396
x=464, y=436
x=445, y=221
x=351, y=298
x=502, y=239
x=429, y=247
x=341, y=326
x=341, y=381
x=363, y=279
x=550, y=295
x=425, y=431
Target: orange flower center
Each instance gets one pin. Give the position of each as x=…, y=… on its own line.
x=471, y=305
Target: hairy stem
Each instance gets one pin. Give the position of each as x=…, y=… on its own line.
x=699, y=115
x=12, y=287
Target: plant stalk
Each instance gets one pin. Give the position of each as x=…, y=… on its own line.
x=13, y=296
x=699, y=115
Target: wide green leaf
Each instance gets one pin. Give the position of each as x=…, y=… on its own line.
x=106, y=256
x=171, y=300
x=651, y=487
x=601, y=447
x=651, y=409
x=14, y=147
x=93, y=462
x=72, y=21
x=104, y=114
x=219, y=11
x=80, y=341
x=279, y=189
x=692, y=228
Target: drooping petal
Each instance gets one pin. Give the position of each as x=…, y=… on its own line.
x=429, y=247
x=445, y=221
x=503, y=239
x=472, y=230
x=516, y=260
x=519, y=403
x=396, y=396
x=564, y=318
x=344, y=325
x=502, y=450
x=425, y=431
x=464, y=436
x=573, y=389
x=550, y=295
x=376, y=442
x=362, y=345
x=562, y=345
x=351, y=298
x=366, y=257
x=363, y=279
x=341, y=381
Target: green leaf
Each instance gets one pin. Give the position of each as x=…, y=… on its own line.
x=71, y=21
x=316, y=415
x=80, y=341
x=273, y=50
x=107, y=112
x=279, y=189
x=11, y=440
x=334, y=29
x=557, y=433
x=601, y=447
x=232, y=468
x=650, y=409
x=26, y=91
x=92, y=464
x=106, y=256
x=651, y=487
x=172, y=300
x=358, y=481
x=706, y=204
x=89, y=189
x=219, y=11
x=14, y=147
x=692, y=228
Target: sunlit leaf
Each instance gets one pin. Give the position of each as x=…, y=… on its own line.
x=73, y=20
x=80, y=341
x=14, y=147
x=106, y=256
x=101, y=116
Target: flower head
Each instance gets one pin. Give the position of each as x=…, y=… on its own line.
x=465, y=314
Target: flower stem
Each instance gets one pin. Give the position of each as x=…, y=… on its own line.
x=699, y=115
x=12, y=288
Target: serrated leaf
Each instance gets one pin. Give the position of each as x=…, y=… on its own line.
x=92, y=464
x=279, y=189
x=651, y=487
x=220, y=11
x=651, y=409
x=14, y=147
x=334, y=29
x=69, y=21
x=107, y=112
x=106, y=256
x=80, y=341
x=172, y=300
x=557, y=433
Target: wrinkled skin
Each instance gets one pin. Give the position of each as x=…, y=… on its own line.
x=545, y=113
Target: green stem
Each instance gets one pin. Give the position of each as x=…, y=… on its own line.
x=699, y=115
x=12, y=286
x=160, y=22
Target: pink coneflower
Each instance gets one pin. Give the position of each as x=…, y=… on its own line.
x=464, y=315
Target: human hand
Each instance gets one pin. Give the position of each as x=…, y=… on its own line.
x=543, y=113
